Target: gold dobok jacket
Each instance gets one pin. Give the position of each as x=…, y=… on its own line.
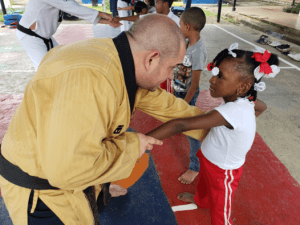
x=70, y=129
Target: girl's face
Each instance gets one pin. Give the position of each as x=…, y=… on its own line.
x=227, y=82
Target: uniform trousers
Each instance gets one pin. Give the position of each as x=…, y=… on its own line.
x=215, y=190
x=35, y=47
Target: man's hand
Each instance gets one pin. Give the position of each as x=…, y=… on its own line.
x=147, y=142
x=115, y=23
x=106, y=16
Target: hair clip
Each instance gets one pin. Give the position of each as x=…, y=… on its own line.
x=232, y=47
x=261, y=86
x=215, y=71
x=210, y=66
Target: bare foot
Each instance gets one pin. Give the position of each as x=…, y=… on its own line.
x=188, y=177
x=116, y=190
x=186, y=197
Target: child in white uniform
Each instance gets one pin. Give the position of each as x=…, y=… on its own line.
x=41, y=20
x=237, y=78
x=124, y=13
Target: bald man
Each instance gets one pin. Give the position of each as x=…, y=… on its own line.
x=68, y=136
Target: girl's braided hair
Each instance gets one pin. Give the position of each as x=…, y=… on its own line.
x=245, y=66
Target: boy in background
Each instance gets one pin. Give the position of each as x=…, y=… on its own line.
x=162, y=7
x=185, y=83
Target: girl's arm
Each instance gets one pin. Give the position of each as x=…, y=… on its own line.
x=259, y=107
x=114, y=23
x=126, y=8
x=206, y=121
x=128, y=18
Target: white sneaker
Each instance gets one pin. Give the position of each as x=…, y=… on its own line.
x=295, y=56
x=275, y=43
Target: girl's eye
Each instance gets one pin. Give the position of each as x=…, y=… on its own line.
x=219, y=75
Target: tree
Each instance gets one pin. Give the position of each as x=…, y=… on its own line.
x=94, y=2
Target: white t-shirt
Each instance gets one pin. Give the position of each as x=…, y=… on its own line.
x=46, y=14
x=152, y=10
x=227, y=148
x=174, y=18
x=171, y=15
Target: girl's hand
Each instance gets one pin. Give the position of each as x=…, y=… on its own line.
x=119, y=8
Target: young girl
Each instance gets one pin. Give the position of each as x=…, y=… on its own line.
x=237, y=78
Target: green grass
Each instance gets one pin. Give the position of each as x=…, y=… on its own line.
x=292, y=9
x=101, y=9
x=208, y=13
x=1, y=17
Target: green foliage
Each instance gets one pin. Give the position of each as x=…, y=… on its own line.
x=1, y=17
x=292, y=9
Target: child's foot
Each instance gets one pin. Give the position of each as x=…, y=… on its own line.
x=116, y=190
x=186, y=197
x=188, y=177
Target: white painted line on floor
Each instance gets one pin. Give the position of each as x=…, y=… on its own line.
x=286, y=67
x=184, y=207
x=18, y=71
x=248, y=42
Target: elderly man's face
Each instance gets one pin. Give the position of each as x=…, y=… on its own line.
x=165, y=70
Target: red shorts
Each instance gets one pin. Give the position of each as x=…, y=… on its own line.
x=215, y=189
x=166, y=85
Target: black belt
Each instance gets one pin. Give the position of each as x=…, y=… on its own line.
x=48, y=42
x=15, y=175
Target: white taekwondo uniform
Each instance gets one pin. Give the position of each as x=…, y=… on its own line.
x=46, y=15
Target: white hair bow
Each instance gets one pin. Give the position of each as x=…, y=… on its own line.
x=258, y=49
x=232, y=47
x=259, y=75
x=261, y=86
x=215, y=71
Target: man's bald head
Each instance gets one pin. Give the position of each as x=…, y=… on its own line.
x=157, y=32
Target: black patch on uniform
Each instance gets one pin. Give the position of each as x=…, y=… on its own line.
x=118, y=130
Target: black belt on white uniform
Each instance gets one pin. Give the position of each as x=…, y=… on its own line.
x=48, y=42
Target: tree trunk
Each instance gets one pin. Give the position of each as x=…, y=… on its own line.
x=94, y=2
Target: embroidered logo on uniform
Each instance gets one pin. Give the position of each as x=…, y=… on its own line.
x=118, y=130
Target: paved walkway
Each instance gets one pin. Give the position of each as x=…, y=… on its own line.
x=273, y=14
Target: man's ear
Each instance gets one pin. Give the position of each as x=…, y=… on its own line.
x=152, y=60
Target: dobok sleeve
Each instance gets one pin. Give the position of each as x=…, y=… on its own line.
x=74, y=8
x=165, y=106
x=77, y=151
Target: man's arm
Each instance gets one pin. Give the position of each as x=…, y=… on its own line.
x=194, y=85
x=259, y=107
